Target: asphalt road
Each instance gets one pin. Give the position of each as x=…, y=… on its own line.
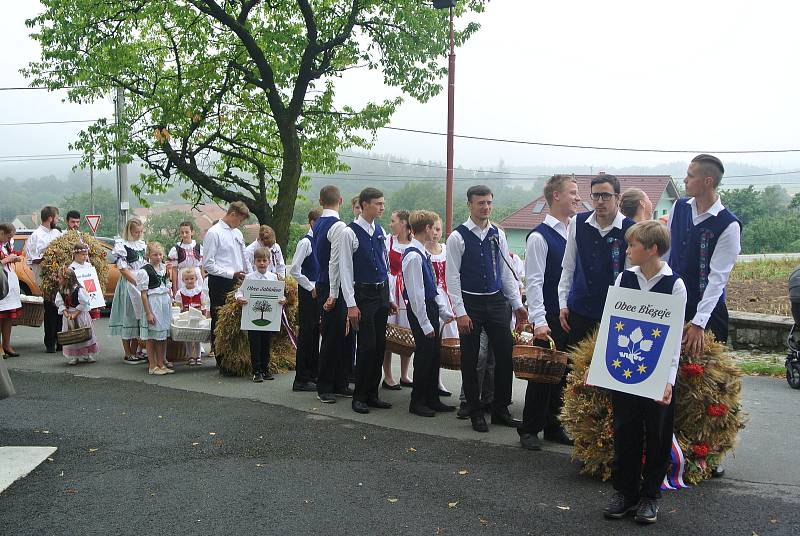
x=136, y=458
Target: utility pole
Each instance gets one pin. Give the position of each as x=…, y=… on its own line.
x=451, y=85
x=122, y=168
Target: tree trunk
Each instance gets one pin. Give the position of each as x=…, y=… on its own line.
x=290, y=180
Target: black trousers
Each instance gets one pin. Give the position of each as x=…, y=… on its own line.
x=259, y=350
x=218, y=288
x=640, y=423
x=307, y=355
x=336, y=349
x=543, y=401
x=52, y=324
x=373, y=302
x=493, y=315
x=580, y=327
x=717, y=322
x=427, y=357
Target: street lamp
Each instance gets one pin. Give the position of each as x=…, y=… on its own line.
x=451, y=84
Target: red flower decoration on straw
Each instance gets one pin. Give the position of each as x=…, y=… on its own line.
x=717, y=410
x=692, y=370
x=700, y=450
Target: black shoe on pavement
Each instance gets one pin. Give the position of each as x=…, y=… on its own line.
x=441, y=407
x=50, y=350
x=258, y=378
x=463, y=411
x=479, y=423
x=422, y=411
x=505, y=418
x=443, y=392
x=718, y=472
x=304, y=386
x=326, y=398
x=360, y=407
x=557, y=435
x=346, y=392
x=620, y=506
x=378, y=403
x=406, y=384
x=647, y=511
x=395, y=387
x=268, y=375
x=530, y=442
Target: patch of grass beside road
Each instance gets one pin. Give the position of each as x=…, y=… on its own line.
x=763, y=269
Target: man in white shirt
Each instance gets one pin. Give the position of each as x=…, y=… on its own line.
x=543, y=257
x=305, y=270
x=73, y=221
x=481, y=286
x=364, y=277
x=224, y=260
x=34, y=251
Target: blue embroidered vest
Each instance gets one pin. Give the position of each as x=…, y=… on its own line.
x=664, y=285
x=599, y=260
x=556, y=245
x=369, y=260
x=481, y=263
x=310, y=266
x=692, y=247
x=323, y=245
x=428, y=278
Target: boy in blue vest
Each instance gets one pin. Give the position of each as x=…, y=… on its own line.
x=364, y=278
x=305, y=270
x=640, y=422
x=481, y=285
x=706, y=238
x=426, y=308
x=593, y=258
x=334, y=351
x=543, y=256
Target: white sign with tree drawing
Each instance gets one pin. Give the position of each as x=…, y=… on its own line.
x=262, y=312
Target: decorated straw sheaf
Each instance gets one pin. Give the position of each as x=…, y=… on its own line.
x=708, y=413
x=231, y=342
x=59, y=254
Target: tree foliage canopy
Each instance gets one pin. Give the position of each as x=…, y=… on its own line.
x=238, y=96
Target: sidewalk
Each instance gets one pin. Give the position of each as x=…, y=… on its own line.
x=766, y=452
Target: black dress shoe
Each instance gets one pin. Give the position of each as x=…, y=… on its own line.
x=441, y=407
x=346, y=392
x=268, y=375
x=463, y=411
x=326, y=398
x=378, y=403
x=647, y=511
x=422, y=411
x=360, y=407
x=304, y=386
x=11, y=354
x=557, y=435
x=443, y=392
x=50, y=350
x=479, y=423
x=258, y=378
x=620, y=506
x=406, y=384
x=395, y=387
x=718, y=472
x=505, y=419
x=530, y=442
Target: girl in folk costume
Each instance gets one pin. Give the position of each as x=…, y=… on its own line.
x=153, y=282
x=126, y=309
x=80, y=258
x=396, y=244
x=438, y=253
x=266, y=239
x=187, y=253
x=10, y=306
x=72, y=301
x=192, y=294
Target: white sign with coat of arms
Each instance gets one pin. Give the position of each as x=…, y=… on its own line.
x=640, y=332
x=87, y=277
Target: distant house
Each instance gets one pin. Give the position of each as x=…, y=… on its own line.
x=660, y=189
x=203, y=216
x=26, y=221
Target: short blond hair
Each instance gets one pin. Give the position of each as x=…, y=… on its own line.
x=133, y=222
x=266, y=234
x=650, y=233
x=238, y=207
x=556, y=183
x=630, y=201
x=261, y=253
x=420, y=219
x=153, y=247
x=188, y=270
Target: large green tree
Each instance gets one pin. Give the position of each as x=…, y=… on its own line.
x=238, y=96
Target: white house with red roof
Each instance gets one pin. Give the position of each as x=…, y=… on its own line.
x=661, y=190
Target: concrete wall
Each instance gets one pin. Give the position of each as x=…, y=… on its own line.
x=753, y=330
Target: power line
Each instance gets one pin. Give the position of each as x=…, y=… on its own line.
x=429, y=165
x=48, y=122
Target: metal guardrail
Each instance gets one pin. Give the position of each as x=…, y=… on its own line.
x=768, y=257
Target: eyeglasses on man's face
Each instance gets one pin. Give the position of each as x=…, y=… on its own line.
x=605, y=196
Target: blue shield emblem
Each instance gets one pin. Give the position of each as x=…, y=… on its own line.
x=633, y=348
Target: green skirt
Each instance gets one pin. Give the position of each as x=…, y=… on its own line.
x=124, y=319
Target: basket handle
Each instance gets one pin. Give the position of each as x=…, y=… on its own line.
x=529, y=329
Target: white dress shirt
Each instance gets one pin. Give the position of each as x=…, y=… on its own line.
x=415, y=288
x=223, y=251
x=535, y=264
x=722, y=260
x=255, y=275
x=277, y=265
x=571, y=253
x=455, y=251
x=34, y=248
x=679, y=290
x=333, y=264
x=301, y=253
x=348, y=243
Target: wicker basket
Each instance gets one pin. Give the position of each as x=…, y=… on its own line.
x=74, y=335
x=399, y=340
x=32, y=312
x=543, y=365
x=189, y=334
x=451, y=354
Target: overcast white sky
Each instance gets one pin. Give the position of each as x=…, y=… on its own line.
x=683, y=74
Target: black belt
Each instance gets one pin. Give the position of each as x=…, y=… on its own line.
x=372, y=285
